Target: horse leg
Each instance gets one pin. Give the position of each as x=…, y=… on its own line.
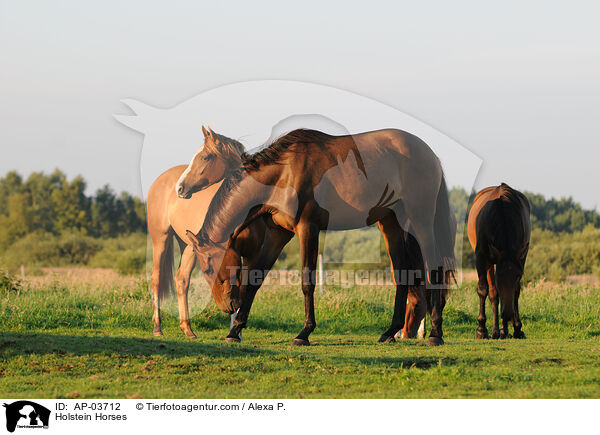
x=416, y=311
x=517, y=320
x=308, y=233
x=508, y=312
x=159, y=256
x=273, y=244
x=494, y=298
x=240, y=318
x=182, y=283
x=393, y=235
x=423, y=228
x=410, y=328
x=482, y=291
x=422, y=331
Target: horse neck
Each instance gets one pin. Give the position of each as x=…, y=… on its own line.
x=225, y=216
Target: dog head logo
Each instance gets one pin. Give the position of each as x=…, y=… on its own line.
x=26, y=414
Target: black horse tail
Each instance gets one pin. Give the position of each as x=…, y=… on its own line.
x=445, y=232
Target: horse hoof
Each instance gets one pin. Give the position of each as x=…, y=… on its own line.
x=188, y=333
x=386, y=339
x=158, y=333
x=233, y=340
x=519, y=334
x=435, y=341
x=300, y=342
x=482, y=334
x=504, y=336
x=495, y=335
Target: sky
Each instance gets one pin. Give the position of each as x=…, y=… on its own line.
x=516, y=83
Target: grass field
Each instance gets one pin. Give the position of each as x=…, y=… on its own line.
x=91, y=338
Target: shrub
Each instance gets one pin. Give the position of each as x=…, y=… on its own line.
x=9, y=283
x=113, y=249
x=44, y=249
x=131, y=262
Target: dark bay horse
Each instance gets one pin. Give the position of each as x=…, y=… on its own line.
x=499, y=231
x=418, y=302
x=308, y=181
x=259, y=245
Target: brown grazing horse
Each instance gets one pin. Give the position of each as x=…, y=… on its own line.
x=259, y=245
x=309, y=181
x=499, y=230
x=418, y=302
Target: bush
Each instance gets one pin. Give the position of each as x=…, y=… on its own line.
x=556, y=256
x=44, y=249
x=113, y=249
x=126, y=254
x=131, y=262
x=8, y=284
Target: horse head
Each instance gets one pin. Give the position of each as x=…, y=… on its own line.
x=214, y=160
x=221, y=266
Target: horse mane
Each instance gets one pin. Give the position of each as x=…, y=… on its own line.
x=217, y=205
x=273, y=153
x=226, y=147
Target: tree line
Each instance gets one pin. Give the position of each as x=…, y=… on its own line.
x=50, y=203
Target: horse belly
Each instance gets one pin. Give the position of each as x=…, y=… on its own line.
x=353, y=199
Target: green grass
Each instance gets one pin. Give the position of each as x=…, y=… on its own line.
x=96, y=342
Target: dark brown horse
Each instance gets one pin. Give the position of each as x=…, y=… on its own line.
x=274, y=239
x=499, y=230
x=309, y=181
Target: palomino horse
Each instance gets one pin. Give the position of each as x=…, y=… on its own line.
x=260, y=244
x=309, y=181
x=169, y=216
x=499, y=230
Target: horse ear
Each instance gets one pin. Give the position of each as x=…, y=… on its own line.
x=204, y=132
x=192, y=238
x=210, y=132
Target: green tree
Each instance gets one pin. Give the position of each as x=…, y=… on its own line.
x=18, y=221
x=11, y=183
x=104, y=213
x=39, y=188
x=71, y=207
x=132, y=214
